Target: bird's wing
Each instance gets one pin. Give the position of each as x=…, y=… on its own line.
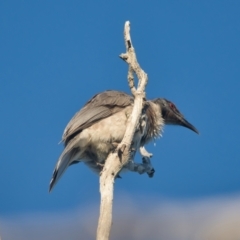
x=101, y=106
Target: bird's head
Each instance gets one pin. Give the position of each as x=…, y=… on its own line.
x=171, y=114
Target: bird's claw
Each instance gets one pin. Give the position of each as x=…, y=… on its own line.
x=151, y=173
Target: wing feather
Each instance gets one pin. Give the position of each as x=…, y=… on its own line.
x=101, y=106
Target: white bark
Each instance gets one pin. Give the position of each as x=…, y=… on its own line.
x=118, y=159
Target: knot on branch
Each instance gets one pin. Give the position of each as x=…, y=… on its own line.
x=124, y=56
x=129, y=44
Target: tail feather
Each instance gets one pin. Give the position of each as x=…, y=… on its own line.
x=63, y=162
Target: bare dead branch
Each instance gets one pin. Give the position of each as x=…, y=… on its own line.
x=113, y=163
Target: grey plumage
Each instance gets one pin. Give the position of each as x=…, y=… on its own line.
x=98, y=107
x=100, y=125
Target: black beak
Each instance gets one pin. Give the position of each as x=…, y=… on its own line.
x=183, y=122
x=176, y=118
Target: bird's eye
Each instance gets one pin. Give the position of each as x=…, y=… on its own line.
x=172, y=106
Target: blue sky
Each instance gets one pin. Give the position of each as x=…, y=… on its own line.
x=55, y=55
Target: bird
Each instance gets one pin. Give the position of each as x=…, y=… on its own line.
x=98, y=128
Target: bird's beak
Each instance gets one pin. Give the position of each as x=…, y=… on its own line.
x=177, y=119
x=183, y=122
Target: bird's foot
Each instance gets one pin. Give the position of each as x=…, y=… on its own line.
x=141, y=168
x=151, y=173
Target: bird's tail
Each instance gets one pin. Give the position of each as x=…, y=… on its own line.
x=63, y=162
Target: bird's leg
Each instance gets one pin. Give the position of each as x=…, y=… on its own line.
x=144, y=167
x=146, y=160
x=140, y=167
